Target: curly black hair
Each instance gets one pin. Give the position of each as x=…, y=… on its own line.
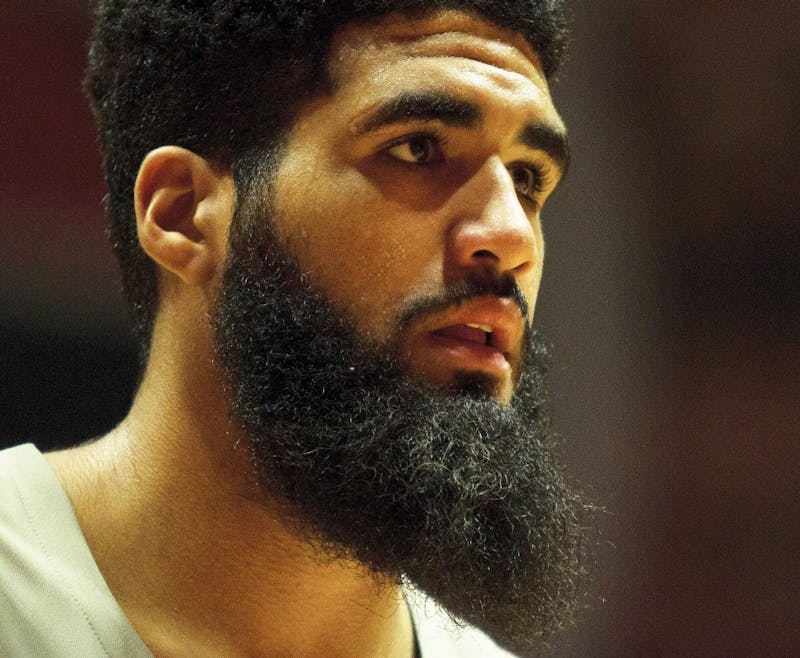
x=224, y=78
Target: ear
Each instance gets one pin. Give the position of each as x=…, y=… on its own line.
x=183, y=209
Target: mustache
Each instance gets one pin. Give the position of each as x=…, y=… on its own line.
x=474, y=285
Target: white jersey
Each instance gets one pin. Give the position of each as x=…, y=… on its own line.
x=54, y=602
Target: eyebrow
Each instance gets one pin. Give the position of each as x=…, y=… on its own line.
x=423, y=106
x=542, y=137
x=452, y=111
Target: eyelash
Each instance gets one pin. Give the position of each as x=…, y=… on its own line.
x=539, y=177
x=539, y=174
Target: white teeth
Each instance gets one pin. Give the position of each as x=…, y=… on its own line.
x=482, y=327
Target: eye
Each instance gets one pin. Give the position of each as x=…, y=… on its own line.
x=527, y=180
x=419, y=149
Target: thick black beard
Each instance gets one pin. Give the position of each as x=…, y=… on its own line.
x=458, y=494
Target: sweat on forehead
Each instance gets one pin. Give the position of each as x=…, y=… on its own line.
x=458, y=33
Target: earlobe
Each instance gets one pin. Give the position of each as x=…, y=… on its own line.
x=179, y=216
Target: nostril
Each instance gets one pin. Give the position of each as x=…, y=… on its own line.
x=484, y=253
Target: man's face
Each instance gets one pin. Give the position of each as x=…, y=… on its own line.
x=426, y=167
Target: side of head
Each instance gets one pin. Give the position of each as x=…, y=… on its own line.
x=225, y=80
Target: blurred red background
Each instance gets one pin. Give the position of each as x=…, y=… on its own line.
x=671, y=297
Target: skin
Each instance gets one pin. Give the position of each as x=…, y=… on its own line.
x=408, y=225
x=167, y=501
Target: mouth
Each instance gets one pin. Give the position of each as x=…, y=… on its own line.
x=480, y=334
x=473, y=346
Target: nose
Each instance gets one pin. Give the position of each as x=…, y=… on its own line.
x=492, y=229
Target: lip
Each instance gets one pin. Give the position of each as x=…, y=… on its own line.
x=467, y=355
x=496, y=356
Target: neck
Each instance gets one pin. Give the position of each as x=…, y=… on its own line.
x=200, y=559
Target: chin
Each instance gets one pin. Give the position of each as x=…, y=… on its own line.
x=481, y=385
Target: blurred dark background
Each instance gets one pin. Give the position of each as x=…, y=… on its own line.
x=671, y=296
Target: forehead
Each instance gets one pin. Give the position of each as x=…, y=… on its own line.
x=365, y=50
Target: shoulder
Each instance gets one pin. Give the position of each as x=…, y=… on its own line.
x=439, y=636
x=47, y=571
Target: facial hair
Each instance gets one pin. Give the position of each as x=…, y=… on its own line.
x=456, y=493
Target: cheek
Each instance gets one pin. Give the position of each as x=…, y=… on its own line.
x=367, y=259
x=370, y=281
